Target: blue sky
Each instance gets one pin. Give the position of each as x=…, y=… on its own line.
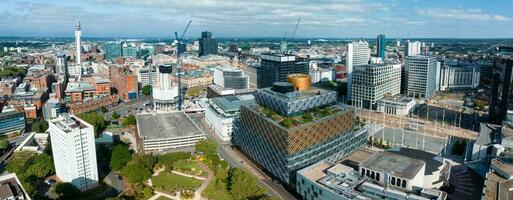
x=259, y=18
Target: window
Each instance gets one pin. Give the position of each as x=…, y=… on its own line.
x=372, y=175
x=363, y=172
x=377, y=176
x=368, y=173
x=404, y=183
x=398, y=183
x=393, y=181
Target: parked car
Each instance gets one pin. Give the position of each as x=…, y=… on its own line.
x=50, y=181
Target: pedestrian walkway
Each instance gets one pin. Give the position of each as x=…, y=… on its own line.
x=160, y=194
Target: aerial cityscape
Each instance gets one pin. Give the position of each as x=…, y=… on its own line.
x=256, y=100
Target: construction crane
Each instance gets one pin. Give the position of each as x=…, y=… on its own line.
x=295, y=29
x=283, y=45
x=179, y=64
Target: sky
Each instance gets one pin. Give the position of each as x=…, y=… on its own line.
x=260, y=18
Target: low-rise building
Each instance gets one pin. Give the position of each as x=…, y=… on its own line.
x=396, y=105
x=397, y=174
x=218, y=91
x=34, y=142
x=459, y=76
x=499, y=181
x=11, y=121
x=221, y=111
x=11, y=188
x=166, y=131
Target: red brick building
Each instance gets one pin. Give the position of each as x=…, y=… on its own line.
x=124, y=81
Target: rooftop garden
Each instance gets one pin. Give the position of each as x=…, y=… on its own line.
x=298, y=120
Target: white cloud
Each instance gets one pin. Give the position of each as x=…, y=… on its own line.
x=461, y=14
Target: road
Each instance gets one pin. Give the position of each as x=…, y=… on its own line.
x=236, y=159
x=128, y=108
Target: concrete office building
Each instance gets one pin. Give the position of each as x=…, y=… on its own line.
x=11, y=121
x=166, y=131
x=381, y=45
x=61, y=64
x=502, y=72
x=276, y=67
x=320, y=73
x=147, y=76
x=358, y=53
x=293, y=125
x=207, y=44
x=51, y=109
x=412, y=48
x=165, y=92
x=130, y=51
x=112, y=50
x=74, y=151
x=397, y=174
x=458, y=76
x=251, y=72
x=221, y=112
x=78, y=45
x=232, y=78
x=372, y=82
x=421, y=76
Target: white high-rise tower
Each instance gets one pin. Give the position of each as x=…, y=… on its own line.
x=78, y=33
x=74, y=151
x=358, y=53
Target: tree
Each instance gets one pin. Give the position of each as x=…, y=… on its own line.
x=129, y=120
x=41, y=166
x=136, y=172
x=20, y=161
x=147, y=161
x=243, y=185
x=104, y=109
x=146, y=90
x=120, y=156
x=4, y=144
x=40, y=126
x=67, y=191
x=115, y=115
x=96, y=119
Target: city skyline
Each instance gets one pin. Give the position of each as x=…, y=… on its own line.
x=320, y=19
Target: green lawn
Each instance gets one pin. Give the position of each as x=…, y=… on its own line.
x=163, y=198
x=190, y=167
x=169, y=182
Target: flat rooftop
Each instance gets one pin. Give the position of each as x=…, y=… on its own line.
x=231, y=103
x=356, y=157
x=166, y=125
x=432, y=164
x=397, y=165
x=316, y=172
x=398, y=99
